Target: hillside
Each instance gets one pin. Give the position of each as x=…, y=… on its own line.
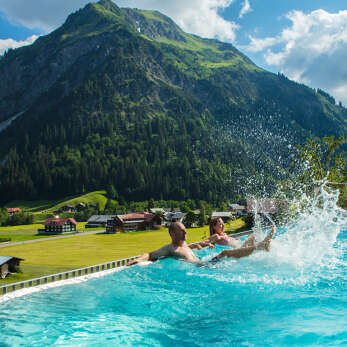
x=125, y=98
x=97, y=198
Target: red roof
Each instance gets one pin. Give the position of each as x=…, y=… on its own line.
x=146, y=216
x=13, y=209
x=59, y=221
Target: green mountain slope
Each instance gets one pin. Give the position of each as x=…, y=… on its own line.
x=125, y=98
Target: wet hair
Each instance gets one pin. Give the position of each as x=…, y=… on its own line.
x=213, y=222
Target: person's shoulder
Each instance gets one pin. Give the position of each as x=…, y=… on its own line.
x=170, y=247
x=161, y=252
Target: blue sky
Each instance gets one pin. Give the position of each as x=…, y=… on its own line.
x=304, y=39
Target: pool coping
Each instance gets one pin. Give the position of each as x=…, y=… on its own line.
x=71, y=274
x=77, y=273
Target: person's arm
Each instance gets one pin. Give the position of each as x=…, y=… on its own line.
x=214, y=238
x=201, y=245
x=143, y=257
x=159, y=253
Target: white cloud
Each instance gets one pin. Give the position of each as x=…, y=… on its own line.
x=246, y=7
x=195, y=16
x=313, y=50
x=9, y=43
x=258, y=45
x=200, y=17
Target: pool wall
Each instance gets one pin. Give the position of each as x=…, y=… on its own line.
x=64, y=275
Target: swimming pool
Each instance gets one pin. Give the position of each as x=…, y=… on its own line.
x=266, y=299
x=293, y=295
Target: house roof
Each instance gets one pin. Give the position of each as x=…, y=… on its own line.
x=221, y=214
x=145, y=216
x=59, y=221
x=174, y=215
x=100, y=218
x=4, y=259
x=13, y=209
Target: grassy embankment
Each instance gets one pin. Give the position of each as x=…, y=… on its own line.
x=53, y=256
x=44, y=209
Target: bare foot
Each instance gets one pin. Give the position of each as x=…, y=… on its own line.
x=249, y=242
x=265, y=244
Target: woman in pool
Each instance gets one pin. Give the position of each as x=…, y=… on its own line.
x=219, y=237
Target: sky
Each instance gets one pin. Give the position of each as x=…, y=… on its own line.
x=304, y=39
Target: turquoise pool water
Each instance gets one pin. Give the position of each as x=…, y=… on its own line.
x=294, y=295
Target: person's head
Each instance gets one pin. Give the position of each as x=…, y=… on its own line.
x=177, y=232
x=216, y=226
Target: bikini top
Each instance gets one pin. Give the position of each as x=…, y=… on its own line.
x=226, y=240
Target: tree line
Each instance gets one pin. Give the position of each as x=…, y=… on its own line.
x=140, y=156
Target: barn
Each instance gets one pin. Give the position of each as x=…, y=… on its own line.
x=8, y=265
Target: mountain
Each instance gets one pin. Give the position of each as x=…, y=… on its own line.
x=124, y=98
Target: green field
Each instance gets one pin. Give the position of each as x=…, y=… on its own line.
x=57, y=255
x=29, y=232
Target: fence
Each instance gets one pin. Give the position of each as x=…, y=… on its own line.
x=64, y=275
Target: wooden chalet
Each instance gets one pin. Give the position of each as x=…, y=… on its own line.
x=132, y=222
x=97, y=221
x=13, y=210
x=81, y=206
x=59, y=225
x=68, y=208
x=8, y=265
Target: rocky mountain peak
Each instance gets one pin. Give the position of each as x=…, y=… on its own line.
x=154, y=24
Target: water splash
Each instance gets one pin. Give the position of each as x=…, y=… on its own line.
x=311, y=237
x=308, y=245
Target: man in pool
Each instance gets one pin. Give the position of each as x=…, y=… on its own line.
x=178, y=248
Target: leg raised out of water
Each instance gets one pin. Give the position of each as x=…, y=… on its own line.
x=235, y=253
x=266, y=243
x=250, y=241
x=246, y=251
